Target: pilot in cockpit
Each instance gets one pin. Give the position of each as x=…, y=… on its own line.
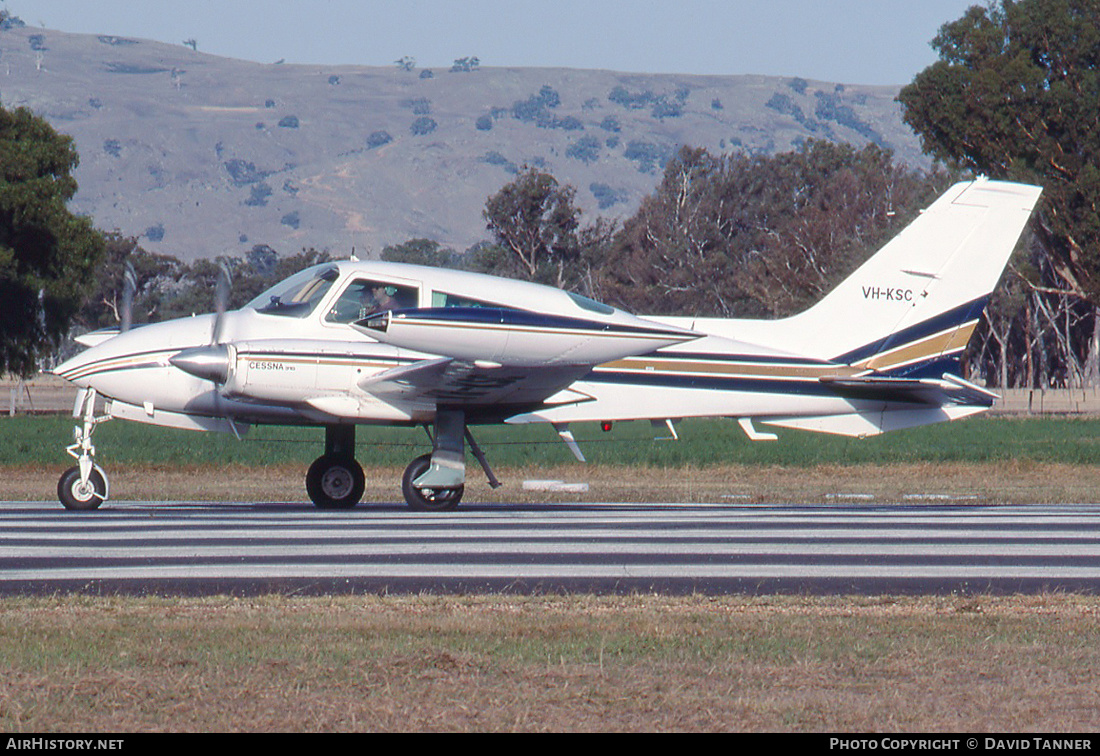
x=362, y=298
x=384, y=299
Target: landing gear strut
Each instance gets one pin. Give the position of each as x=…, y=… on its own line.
x=85, y=486
x=335, y=480
x=432, y=483
x=435, y=482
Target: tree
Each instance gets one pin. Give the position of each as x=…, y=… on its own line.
x=153, y=279
x=1015, y=95
x=535, y=222
x=737, y=236
x=422, y=252
x=47, y=254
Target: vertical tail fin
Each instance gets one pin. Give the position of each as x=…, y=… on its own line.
x=911, y=308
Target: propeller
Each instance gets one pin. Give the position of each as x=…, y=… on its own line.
x=211, y=362
x=221, y=300
x=129, y=288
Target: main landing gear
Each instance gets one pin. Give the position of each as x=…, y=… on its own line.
x=432, y=483
x=84, y=487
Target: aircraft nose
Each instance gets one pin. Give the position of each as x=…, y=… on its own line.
x=69, y=368
x=210, y=363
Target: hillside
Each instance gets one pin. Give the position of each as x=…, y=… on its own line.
x=202, y=155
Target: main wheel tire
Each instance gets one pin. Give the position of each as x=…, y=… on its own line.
x=81, y=497
x=427, y=499
x=335, y=481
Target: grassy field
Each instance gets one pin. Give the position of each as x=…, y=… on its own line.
x=992, y=460
x=1061, y=440
x=550, y=663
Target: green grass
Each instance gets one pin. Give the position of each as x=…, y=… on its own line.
x=1074, y=441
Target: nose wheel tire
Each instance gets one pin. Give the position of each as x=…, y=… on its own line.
x=335, y=482
x=427, y=499
x=81, y=496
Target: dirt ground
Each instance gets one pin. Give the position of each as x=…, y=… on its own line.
x=991, y=484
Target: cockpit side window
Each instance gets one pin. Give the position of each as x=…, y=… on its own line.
x=298, y=295
x=363, y=296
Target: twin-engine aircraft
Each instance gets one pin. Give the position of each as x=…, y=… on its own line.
x=348, y=343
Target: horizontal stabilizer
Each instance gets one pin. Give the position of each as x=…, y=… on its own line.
x=862, y=424
x=949, y=390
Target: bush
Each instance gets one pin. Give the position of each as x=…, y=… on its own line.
x=423, y=125
x=831, y=108
x=378, y=138
x=622, y=96
x=586, y=149
x=465, y=65
x=782, y=103
x=259, y=194
x=495, y=158
x=647, y=155
x=606, y=196
x=484, y=123
x=243, y=172
x=536, y=109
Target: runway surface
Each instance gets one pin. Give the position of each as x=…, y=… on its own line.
x=240, y=548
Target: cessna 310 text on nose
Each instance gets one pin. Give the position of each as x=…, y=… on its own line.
x=349, y=343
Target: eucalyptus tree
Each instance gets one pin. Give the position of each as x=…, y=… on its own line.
x=47, y=254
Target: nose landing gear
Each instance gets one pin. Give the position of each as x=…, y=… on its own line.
x=84, y=487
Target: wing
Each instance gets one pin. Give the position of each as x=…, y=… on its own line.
x=446, y=380
x=510, y=360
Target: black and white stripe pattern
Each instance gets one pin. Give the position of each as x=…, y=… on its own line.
x=245, y=548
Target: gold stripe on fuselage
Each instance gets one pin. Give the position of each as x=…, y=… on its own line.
x=731, y=367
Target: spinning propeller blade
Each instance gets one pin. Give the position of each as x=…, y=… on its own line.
x=126, y=308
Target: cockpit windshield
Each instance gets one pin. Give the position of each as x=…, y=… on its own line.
x=297, y=296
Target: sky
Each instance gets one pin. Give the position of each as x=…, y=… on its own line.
x=845, y=41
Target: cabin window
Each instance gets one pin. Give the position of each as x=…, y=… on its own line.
x=364, y=296
x=590, y=304
x=443, y=299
